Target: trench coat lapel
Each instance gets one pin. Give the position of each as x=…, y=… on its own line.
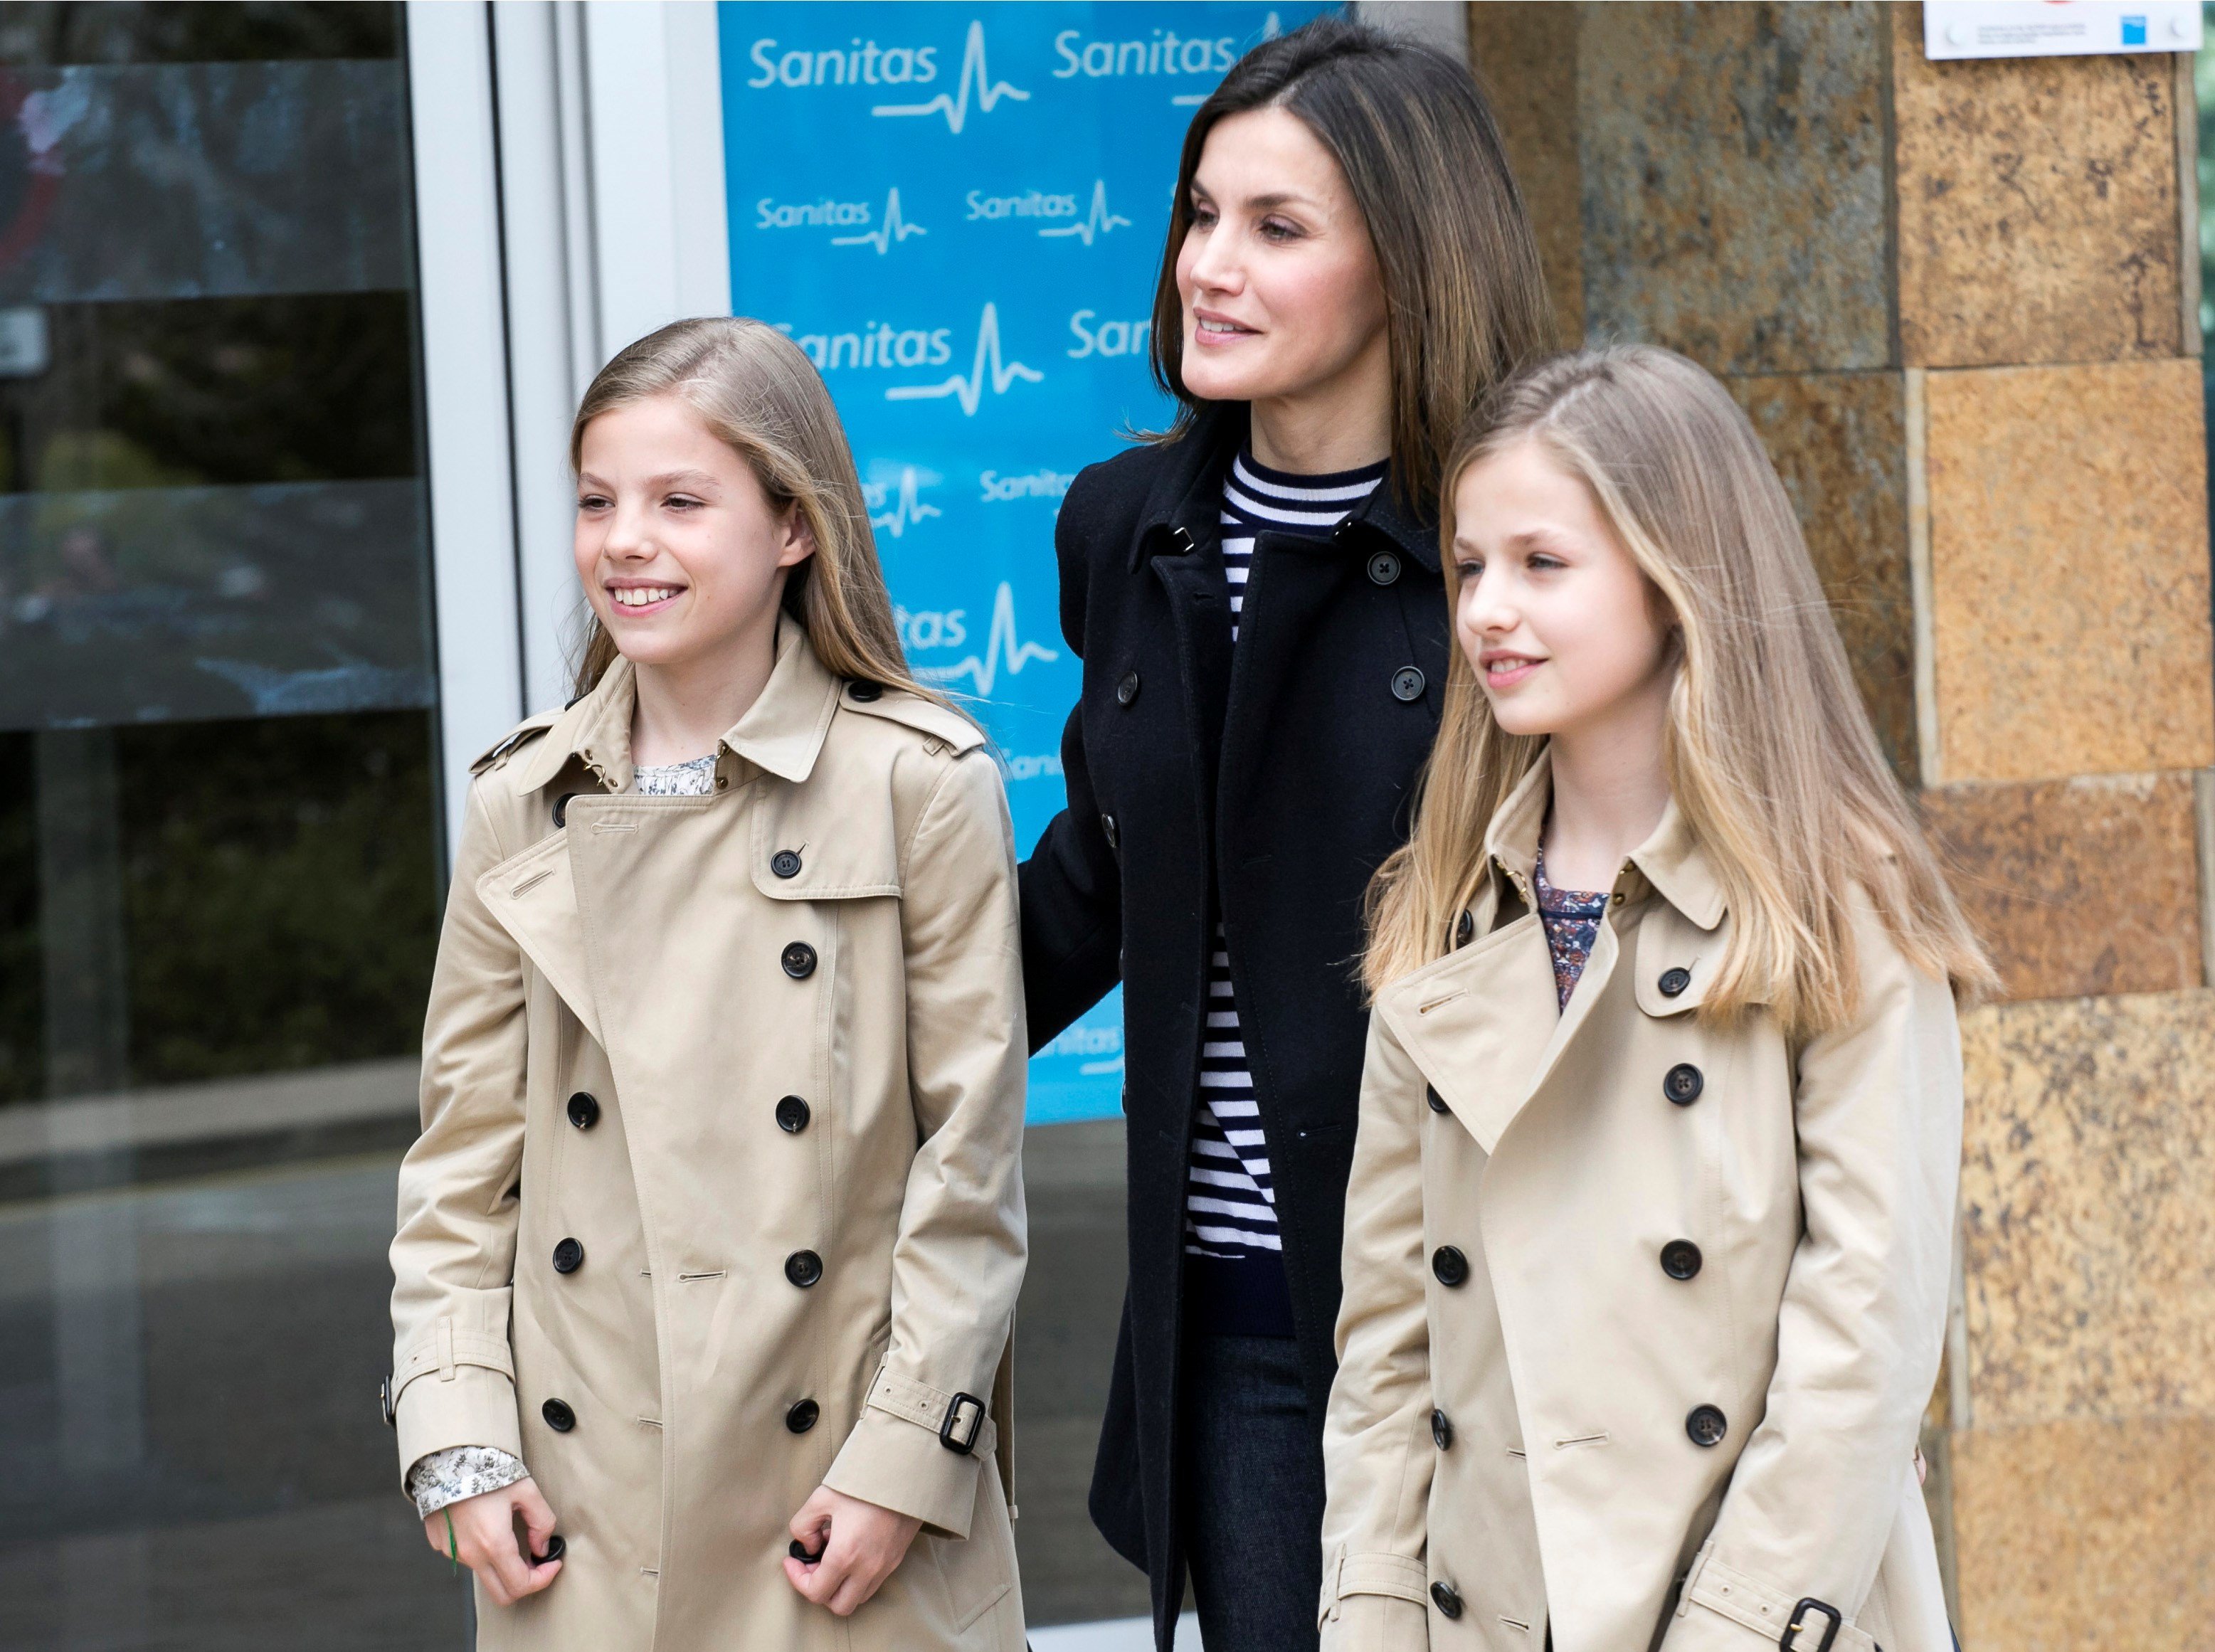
x=534, y=897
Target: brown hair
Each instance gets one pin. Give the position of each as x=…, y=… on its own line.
x=1422, y=156
x=1769, y=752
x=756, y=392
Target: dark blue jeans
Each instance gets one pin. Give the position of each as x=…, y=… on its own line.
x=1253, y=1494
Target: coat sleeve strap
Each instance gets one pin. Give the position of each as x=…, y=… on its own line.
x=1744, y=1602
x=950, y=1416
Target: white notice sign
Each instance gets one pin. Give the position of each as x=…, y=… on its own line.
x=2057, y=29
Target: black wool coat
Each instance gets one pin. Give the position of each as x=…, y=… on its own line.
x=1276, y=777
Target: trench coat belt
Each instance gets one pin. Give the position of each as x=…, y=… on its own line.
x=1744, y=1600
x=916, y=1402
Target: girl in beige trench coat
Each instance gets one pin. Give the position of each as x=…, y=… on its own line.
x=708, y=1252
x=1648, y=1238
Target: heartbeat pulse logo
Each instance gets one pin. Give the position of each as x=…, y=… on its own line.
x=889, y=233
x=907, y=509
x=1098, y=221
x=969, y=389
x=1002, y=647
x=973, y=74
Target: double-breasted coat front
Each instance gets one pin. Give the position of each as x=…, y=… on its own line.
x=1641, y=1308
x=717, y=1197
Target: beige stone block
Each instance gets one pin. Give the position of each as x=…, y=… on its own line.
x=1733, y=188
x=2087, y=1535
x=1525, y=56
x=2069, y=570
x=2038, y=206
x=2089, y=885
x=1839, y=441
x=2087, y=1208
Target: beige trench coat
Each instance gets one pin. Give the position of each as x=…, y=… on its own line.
x=761, y=1055
x=1666, y=1382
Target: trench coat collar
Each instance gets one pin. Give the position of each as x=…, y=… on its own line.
x=1187, y=493
x=1671, y=860
x=782, y=732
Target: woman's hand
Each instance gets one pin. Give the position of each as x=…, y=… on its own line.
x=484, y=1539
x=856, y=1546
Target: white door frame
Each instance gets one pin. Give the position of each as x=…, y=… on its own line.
x=526, y=122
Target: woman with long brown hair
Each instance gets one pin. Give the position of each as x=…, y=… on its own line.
x=1257, y=599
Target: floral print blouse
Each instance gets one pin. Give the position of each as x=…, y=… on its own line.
x=1572, y=918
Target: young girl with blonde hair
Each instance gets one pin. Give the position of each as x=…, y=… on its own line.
x=708, y=1252
x=1648, y=1239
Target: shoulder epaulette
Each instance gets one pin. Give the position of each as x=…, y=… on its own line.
x=927, y=717
x=521, y=735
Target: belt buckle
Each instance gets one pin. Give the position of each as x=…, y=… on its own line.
x=384, y=1404
x=967, y=1444
x=1808, y=1603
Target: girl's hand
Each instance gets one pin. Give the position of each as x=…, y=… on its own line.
x=856, y=1546
x=484, y=1539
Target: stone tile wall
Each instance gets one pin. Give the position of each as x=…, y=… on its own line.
x=1954, y=300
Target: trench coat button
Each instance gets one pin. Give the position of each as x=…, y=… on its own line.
x=1407, y=684
x=1384, y=568
x=862, y=693
x=801, y=1417
x=803, y=1268
x=1680, y=1259
x=1107, y=830
x=1446, y=1599
x=556, y=1546
x=584, y=1110
x=1437, y=1101
x=1465, y=929
x=561, y=809
x=1450, y=1265
x=1682, y=1083
x=785, y=863
x=1707, y=1425
x=1674, y=981
x=568, y=1256
x=559, y=1417
x=1441, y=1428
x=792, y=1115
x=798, y=960
x=1127, y=690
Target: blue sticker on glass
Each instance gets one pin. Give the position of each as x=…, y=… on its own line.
x=958, y=212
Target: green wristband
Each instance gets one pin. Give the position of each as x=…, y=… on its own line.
x=453, y=1549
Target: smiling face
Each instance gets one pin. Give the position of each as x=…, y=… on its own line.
x=1564, y=628
x=679, y=550
x=1282, y=298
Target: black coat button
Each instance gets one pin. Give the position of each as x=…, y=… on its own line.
x=559, y=1417
x=1674, y=981
x=1127, y=690
x=803, y=1268
x=1450, y=1265
x=568, y=1256
x=1441, y=1429
x=801, y=1417
x=1384, y=568
x=1682, y=1083
x=1707, y=1425
x=584, y=1110
x=561, y=809
x=1437, y=1101
x=785, y=863
x=798, y=960
x=1107, y=830
x=864, y=692
x=792, y=1115
x=556, y=1546
x=1407, y=684
x=1446, y=1599
x=1680, y=1259
x=1465, y=929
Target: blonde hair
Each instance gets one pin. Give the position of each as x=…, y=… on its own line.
x=1769, y=751
x=756, y=393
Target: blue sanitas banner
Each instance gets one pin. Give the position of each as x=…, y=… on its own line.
x=958, y=212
